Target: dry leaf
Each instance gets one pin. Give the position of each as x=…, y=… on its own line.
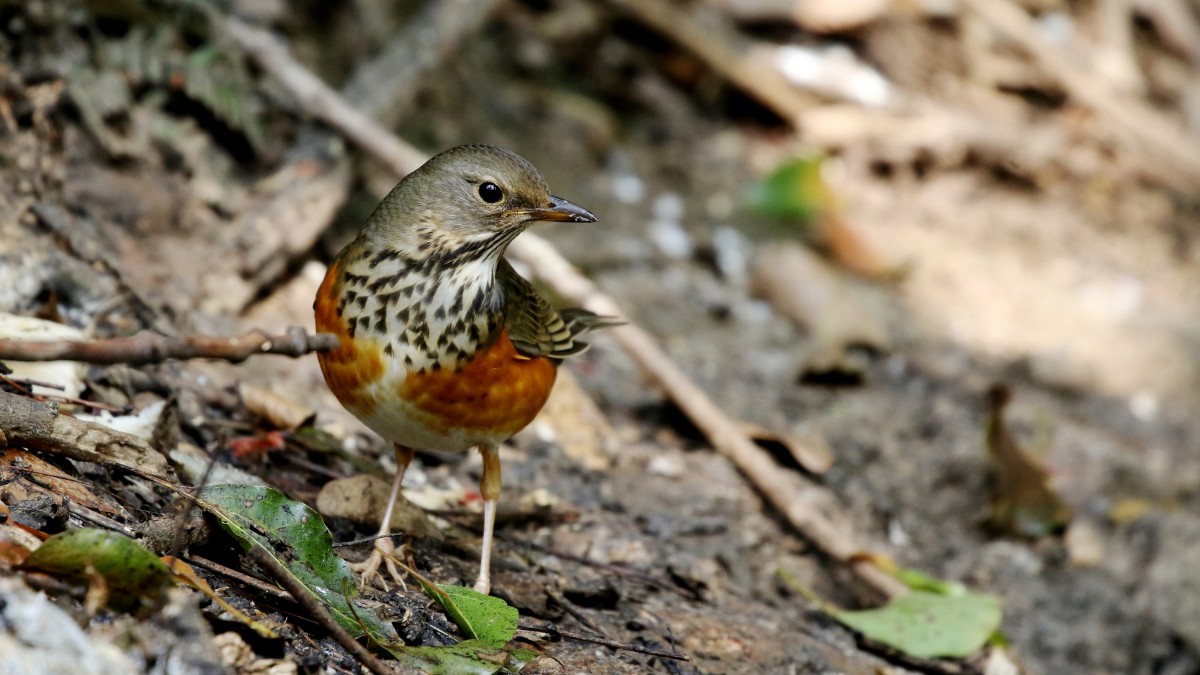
x=810, y=451
x=278, y=410
x=1023, y=503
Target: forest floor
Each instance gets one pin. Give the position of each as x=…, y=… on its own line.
x=156, y=178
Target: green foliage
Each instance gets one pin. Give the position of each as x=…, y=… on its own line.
x=926, y=624
x=135, y=577
x=297, y=538
x=471, y=657
x=793, y=192
x=489, y=620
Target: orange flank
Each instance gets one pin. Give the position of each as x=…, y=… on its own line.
x=497, y=392
x=356, y=362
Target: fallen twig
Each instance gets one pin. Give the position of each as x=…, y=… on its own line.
x=747, y=65
x=382, y=88
x=555, y=631
x=240, y=577
x=39, y=426
x=146, y=347
x=317, y=612
x=322, y=102
x=803, y=503
x=23, y=385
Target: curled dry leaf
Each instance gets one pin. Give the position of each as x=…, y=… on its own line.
x=810, y=450
x=1023, y=502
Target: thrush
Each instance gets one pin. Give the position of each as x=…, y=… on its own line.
x=443, y=345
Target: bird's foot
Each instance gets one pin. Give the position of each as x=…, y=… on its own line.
x=383, y=553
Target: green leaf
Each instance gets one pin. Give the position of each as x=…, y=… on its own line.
x=930, y=625
x=297, y=538
x=919, y=581
x=135, y=576
x=489, y=620
x=471, y=657
x=794, y=191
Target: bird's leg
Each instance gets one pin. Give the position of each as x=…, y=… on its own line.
x=384, y=547
x=489, y=489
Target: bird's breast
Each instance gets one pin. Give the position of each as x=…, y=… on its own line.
x=427, y=368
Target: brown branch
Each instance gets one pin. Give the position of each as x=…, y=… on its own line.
x=322, y=102
x=805, y=504
x=147, y=347
x=39, y=426
x=317, y=612
x=240, y=577
x=748, y=65
x=555, y=631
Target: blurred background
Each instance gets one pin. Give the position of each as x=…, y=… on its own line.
x=846, y=220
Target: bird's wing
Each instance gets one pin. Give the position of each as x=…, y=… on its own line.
x=536, y=328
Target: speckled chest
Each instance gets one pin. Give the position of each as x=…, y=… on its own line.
x=428, y=313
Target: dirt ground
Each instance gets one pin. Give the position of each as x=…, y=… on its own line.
x=1037, y=251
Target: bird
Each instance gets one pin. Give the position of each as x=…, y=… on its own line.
x=442, y=344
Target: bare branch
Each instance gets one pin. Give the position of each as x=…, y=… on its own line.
x=39, y=426
x=147, y=347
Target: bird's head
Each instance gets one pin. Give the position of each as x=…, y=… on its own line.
x=474, y=196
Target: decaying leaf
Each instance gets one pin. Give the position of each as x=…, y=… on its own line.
x=132, y=576
x=1023, y=502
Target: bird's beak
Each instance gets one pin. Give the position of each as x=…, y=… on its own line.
x=562, y=211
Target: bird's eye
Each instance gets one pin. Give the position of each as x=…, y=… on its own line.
x=490, y=192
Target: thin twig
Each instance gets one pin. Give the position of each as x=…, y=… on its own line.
x=317, y=611
x=147, y=347
x=555, y=631
x=803, y=503
x=322, y=102
x=622, y=570
x=241, y=577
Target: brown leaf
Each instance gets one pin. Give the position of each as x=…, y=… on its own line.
x=810, y=451
x=278, y=410
x=1023, y=503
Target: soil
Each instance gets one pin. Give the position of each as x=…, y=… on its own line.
x=1076, y=289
